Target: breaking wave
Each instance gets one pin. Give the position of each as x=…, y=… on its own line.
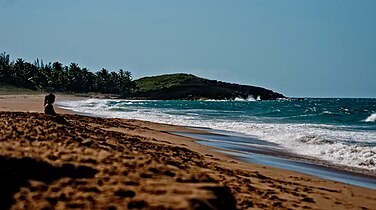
x=371, y=118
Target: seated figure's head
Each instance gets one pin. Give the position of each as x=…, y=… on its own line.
x=49, y=99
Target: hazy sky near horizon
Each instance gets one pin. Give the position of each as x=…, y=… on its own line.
x=313, y=48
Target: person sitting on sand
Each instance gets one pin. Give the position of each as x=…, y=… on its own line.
x=48, y=107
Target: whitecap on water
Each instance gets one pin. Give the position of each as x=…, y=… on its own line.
x=249, y=98
x=371, y=118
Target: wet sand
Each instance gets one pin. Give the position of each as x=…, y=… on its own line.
x=250, y=149
x=97, y=163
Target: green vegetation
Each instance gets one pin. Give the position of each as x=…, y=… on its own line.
x=149, y=84
x=6, y=89
x=56, y=77
x=190, y=87
x=21, y=76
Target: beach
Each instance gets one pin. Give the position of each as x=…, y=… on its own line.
x=107, y=163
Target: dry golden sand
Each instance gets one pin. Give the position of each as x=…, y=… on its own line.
x=30, y=103
x=96, y=163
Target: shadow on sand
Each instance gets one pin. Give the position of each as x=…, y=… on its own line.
x=16, y=173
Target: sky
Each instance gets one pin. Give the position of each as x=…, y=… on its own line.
x=300, y=48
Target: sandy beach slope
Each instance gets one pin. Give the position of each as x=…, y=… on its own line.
x=97, y=163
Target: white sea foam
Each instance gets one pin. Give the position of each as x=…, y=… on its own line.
x=249, y=98
x=326, y=142
x=371, y=118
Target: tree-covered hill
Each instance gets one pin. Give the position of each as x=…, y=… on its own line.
x=56, y=77
x=190, y=87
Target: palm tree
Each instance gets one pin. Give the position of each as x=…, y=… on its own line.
x=74, y=78
x=103, y=80
x=125, y=84
x=17, y=75
x=88, y=80
x=56, y=77
x=30, y=76
x=5, y=67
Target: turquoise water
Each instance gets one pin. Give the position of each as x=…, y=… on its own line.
x=341, y=131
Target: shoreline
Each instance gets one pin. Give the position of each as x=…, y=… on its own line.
x=262, y=178
x=229, y=139
x=258, y=154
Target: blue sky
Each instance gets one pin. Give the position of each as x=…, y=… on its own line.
x=314, y=48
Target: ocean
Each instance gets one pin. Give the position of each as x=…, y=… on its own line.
x=340, y=131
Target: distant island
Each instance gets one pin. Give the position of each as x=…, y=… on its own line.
x=72, y=79
x=190, y=87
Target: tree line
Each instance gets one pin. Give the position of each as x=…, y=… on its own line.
x=56, y=77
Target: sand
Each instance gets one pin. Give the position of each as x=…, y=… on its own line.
x=97, y=163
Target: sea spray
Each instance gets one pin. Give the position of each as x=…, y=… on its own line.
x=249, y=98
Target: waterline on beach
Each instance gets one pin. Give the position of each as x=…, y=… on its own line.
x=264, y=153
